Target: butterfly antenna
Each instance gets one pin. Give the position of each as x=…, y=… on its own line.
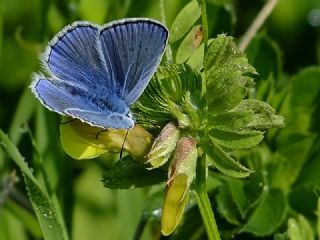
x=101, y=131
x=125, y=138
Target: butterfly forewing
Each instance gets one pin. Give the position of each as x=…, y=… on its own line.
x=73, y=56
x=132, y=50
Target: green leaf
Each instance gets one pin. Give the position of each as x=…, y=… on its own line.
x=309, y=174
x=279, y=236
x=293, y=151
x=23, y=113
x=263, y=117
x=153, y=205
x=184, y=21
x=303, y=105
x=129, y=173
x=266, y=90
x=268, y=215
x=318, y=217
x=239, y=195
x=236, y=139
x=248, y=116
x=26, y=217
x=265, y=55
x=302, y=199
x=196, y=59
x=11, y=227
x=305, y=88
x=50, y=225
x=226, y=70
x=224, y=163
x=300, y=229
x=189, y=44
x=227, y=207
x=94, y=10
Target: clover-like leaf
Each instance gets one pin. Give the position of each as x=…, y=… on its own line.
x=227, y=74
x=226, y=164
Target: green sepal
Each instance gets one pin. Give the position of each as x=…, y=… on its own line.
x=173, y=94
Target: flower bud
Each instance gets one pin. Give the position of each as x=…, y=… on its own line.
x=163, y=146
x=181, y=173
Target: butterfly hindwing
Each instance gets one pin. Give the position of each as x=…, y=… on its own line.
x=110, y=120
x=56, y=95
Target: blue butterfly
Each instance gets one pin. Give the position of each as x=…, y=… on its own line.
x=97, y=72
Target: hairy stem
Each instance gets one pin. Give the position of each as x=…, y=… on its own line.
x=203, y=201
x=163, y=20
x=204, y=24
x=257, y=23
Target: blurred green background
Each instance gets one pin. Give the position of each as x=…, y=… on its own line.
x=94, y=212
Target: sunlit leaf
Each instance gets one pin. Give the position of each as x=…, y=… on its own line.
x=196, y=59
x=299, y=229
x=189, y=44
x=184, y=21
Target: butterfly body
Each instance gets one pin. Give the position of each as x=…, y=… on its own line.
x=97, y=72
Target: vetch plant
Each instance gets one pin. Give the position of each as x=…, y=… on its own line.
x=204, y=138
x=203, y=117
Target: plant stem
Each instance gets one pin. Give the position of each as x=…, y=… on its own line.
x=163, y=20
x=1, y=27
x=204, y=24
x=203, y=201
x=257, y=23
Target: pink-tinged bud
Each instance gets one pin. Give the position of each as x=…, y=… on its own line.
x=163, y=146
x=181, y=173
